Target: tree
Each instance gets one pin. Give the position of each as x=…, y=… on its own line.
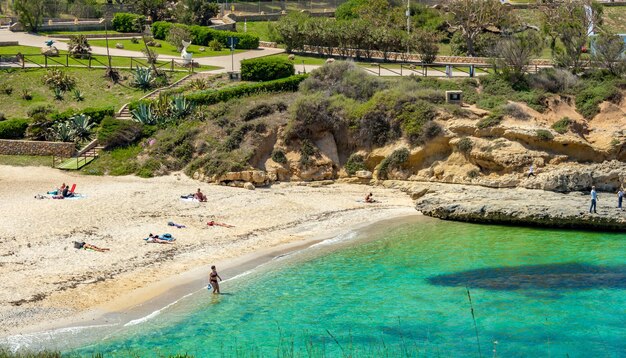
x=608, y=51
x=196, y=12
x=513, y=53
x=290, y=28
x=425, y=43
x=30, y=13
x=568, y=23
x=177, y=35
x=156, y=9
x=472, y=17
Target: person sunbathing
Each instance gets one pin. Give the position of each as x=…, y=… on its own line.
x=369, y=198
x=199, y=196
x=156, y=240
x=66, y=192
x=213, y=223
x=85, y=246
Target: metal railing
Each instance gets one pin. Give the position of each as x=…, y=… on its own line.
x=89, y=61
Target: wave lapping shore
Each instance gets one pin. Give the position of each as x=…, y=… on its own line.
x=514, y=206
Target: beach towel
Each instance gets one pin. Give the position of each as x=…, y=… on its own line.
x=171, y=223
x=54, y=192
x=190, y=200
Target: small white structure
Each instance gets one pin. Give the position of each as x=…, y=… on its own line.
x=184, y=55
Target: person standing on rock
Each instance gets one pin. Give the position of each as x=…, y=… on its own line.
x=620, y=197
x=594, y=199
x=531, y=171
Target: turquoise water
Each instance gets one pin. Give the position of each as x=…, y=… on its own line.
x=403, y=289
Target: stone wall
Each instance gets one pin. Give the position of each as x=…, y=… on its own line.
x=26, y=147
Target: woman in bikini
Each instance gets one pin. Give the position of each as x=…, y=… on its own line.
x=213, y=276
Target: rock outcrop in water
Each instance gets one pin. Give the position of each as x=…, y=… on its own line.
x=518, y=206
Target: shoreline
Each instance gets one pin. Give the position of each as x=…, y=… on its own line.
x=143, y=304
x=67, y=287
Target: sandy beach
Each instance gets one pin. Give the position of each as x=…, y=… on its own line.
x=46, y=282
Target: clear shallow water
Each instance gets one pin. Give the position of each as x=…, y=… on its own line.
x=403, y=289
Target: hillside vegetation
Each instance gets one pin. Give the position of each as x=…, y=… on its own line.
x=342, y=120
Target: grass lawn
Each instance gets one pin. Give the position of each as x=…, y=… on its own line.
x=308, y=60
x=98, y=91
x=26, y=160
x=33, y=56
x=165, y=49
x=258, y=28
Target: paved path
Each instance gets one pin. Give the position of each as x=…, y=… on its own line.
x=225, y=62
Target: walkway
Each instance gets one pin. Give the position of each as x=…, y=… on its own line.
x=27, y=39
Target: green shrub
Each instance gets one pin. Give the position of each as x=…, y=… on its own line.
x=414, y=116
x=212, y=97
x=544, y=134
x=465, y=145
x=160, y=29
x=355, y=163
x=590, y=97
x=266, y=69
x=96, y=114
x=343, y=77
x=202, y=35
x=57, y=79
x=493, y=119
x=394, y=160
x=237, y=136
x=127, y=22
x=562, y=125
x=117, y=133
x=13, y=128
x=279, y=156
x=307, y=150
x=490, y=102
x=215, y=45
x=149, y=168
x=515, y=111
x=535, y=99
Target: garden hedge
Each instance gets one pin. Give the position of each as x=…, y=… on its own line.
x=202, y=35
x=13, y=128
x=289, y=84
x=126, y=22
x=266, y=69
x=96, y=114
x=117, y=133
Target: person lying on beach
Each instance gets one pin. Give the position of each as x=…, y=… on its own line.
x=213, y=223
x=57, y=191
x=171, y=223
x=85, y=246
x=154, y=239
x=157, y=240
x=199, y=196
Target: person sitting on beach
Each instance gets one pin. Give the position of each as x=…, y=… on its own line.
x=369, y=198
x=85, y=246
x=213, y=223
x=156, y=240
x=199, y=196
x=66, y=192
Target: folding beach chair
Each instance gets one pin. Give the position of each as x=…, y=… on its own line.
x=73, y=188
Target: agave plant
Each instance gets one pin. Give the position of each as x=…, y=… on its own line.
x=143, y=114
x=58, y=94
x=63, y=132
x=161, y=106
x=180, y=106
x=78, y=46
x=143, y=78
x=81, y=124
x=78, y=95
